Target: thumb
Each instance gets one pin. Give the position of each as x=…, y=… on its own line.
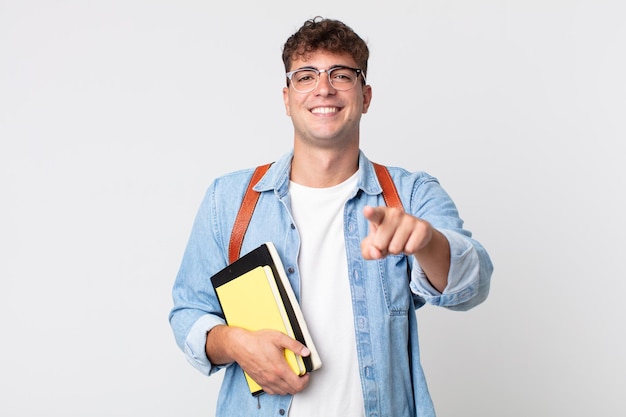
x=295, y=346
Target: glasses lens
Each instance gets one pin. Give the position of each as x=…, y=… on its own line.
x=304, y=80
x=342, y=78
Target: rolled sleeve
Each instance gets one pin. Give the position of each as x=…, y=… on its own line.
x=468, y=278
x=195, y=343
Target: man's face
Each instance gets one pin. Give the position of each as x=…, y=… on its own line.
x=327, y=117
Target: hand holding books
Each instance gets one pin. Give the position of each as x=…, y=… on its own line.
x=261, y=355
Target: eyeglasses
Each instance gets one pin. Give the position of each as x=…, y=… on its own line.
x=305, y=80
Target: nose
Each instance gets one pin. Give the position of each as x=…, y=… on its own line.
x=324, y=87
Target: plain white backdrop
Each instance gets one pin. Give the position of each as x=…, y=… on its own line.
x=116, y=115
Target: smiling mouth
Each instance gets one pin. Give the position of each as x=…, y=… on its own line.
x=324, y=110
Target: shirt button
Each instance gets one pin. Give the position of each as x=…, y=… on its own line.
x=281, y=412
x=293, y=226
x=290, y=270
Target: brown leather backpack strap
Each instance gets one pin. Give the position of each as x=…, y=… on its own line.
x=244, y=214
x=390, y=193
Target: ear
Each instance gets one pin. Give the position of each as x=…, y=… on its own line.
x=286, y=100
x=367, y=97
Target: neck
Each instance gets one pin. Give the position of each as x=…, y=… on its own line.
x=320, y=168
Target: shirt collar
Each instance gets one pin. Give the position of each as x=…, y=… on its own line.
x=277, y=177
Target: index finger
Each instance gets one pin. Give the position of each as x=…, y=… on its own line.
x=374, y=215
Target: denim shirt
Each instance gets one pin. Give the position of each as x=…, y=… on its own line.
x=384, y=296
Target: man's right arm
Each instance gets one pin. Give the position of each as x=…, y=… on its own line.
x=197, y=319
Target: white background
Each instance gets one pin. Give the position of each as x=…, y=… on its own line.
x=116, y=115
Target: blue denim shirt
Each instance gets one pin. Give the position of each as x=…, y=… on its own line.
x=384, y=297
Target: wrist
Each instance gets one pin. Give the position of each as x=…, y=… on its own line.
x=219, y=343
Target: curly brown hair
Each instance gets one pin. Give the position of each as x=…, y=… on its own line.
x=326, y=35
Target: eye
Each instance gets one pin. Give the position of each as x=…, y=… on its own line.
x=343, y=75
x=304, y=77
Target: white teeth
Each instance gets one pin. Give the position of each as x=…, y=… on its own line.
x=324, y=110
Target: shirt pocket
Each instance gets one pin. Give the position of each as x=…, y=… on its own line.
x=395, y=284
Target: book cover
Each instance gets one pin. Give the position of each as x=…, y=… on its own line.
x=254, y=293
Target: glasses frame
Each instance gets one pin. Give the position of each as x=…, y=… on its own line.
x=328, y=71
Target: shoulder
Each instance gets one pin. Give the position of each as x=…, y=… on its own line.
x=425, y=195
x=226, y=191
x=403, y=178
x=241, y=176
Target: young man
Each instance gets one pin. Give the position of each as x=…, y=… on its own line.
x=358, y=267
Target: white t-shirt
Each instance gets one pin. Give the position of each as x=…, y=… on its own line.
x=335, y=388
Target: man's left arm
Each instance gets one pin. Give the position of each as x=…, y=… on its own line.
x=450, y=270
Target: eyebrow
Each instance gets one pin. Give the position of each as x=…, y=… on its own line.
x=310, y=67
